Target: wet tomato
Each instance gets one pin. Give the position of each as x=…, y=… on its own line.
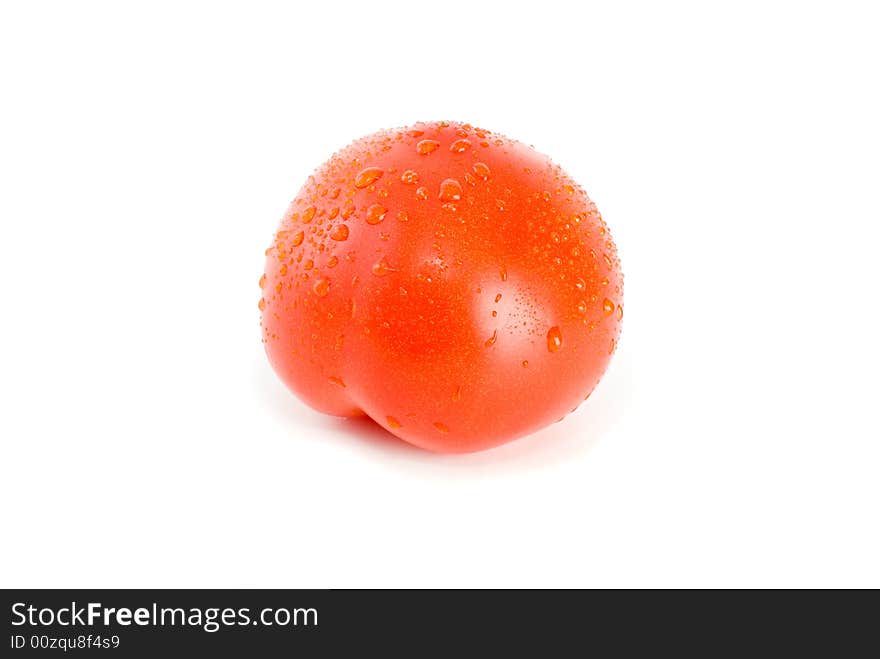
x=451, y=283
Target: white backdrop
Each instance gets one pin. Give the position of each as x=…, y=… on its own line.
x=148, y=150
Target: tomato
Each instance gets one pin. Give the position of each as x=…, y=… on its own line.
x=451, y=283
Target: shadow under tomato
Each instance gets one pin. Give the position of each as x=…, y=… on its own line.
x=560, y=442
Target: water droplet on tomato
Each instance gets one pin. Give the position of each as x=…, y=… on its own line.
x=262, y=304
x=491, y=340
x=263, y=281
x=339, y=233
x=376, y=213
x=381, y=268
x=422, y=193
x=460, y=146
x=409, y=177
x=367, y=176
x=321, y=286
x=554, y=339
x=450, y=190
x=619, y=312
x=308, y=214
x=335, y=379
x=456, y=395
x=392, y=422
x=427, y=146
x=442, y=427
x=607, y=306
x=297, y=239
x=481, y=170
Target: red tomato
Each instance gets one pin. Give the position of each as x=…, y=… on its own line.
x=451, y=283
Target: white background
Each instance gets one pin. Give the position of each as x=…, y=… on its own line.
x=148, y=150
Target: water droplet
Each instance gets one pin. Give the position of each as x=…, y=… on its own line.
x=340, y=233
x=503, y=273
x=283, y=271
x=608, y=260
x=492, y=339
x=402, y=216
x=607, y=306
x=500, y=205
x=409, y=177
x=392, y=422
x=321, y=286
x=263, y=281
x=582, y=308
x=309, y=264
x=569, y=189
x=450, y=190
x=335, y=379
x=262, y=304
x=442, y=427
x=619, y=312
x=498, y=298
x=376, y=213
x=554, y=339
x=611, y=348
x=367, y=176
x=482, y=170
x=297, y=239
x=460, y=146
x=422, y=193
x=604, y=281
x=308, y=214
x=427, y=146
x=335, y=193
x=525, y=363
x=456, y=395
x=381, y=268
x=332, y=262
x=580, y=284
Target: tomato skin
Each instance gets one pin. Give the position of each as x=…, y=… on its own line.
x=453, y=284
